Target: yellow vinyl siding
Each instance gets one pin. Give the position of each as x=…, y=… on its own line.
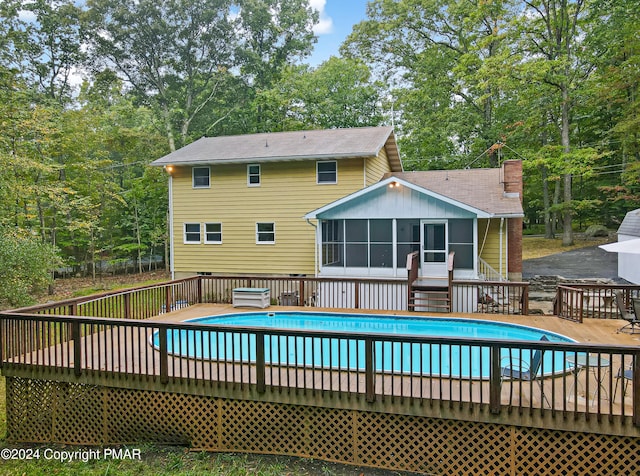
x=376, y=167
x=287, y=191
x=490, y=252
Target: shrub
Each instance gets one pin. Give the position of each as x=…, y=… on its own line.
x=26, y=266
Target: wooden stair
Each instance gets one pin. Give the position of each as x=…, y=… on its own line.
x=431, y=294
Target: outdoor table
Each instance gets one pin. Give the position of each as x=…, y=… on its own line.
x=581, y=362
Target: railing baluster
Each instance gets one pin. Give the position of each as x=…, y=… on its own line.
x=635, y=389
x=369, y=370
x=164, y=355
x=495, y=382
x=77, y=348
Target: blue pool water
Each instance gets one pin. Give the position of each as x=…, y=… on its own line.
x=344, y=352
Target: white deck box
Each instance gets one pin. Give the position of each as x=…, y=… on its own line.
x=251, y=297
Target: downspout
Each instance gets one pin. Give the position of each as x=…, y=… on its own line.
x=171, y=240
x=316, y=267
x=507, y=252
x=501, y=250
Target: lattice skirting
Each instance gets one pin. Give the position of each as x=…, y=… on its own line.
x=58, y=412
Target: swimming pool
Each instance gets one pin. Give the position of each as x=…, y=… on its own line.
x=349, y=353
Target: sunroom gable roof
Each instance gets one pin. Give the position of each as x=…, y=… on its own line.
x=491, y=200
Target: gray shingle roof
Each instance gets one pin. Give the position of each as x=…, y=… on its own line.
x=478, y=188
x=631, y=224
x=282, y=146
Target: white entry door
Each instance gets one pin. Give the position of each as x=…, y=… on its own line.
x=433, y=247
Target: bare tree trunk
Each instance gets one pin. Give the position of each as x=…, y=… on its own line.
x=546, y=203
x=169, y=130
x=556, y=201
x=138, y=239
x=567, y=213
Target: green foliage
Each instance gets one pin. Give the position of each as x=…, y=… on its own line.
x=338, y=93
x=191, y=61
x=26, y=267
x=553, y=82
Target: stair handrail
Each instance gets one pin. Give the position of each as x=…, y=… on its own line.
x=489, y=273
x=452, y=255
x=412, y=274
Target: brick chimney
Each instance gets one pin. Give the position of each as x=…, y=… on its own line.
x=512, y=177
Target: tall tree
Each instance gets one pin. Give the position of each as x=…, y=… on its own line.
x=439, y=53
x=174, y=53
x=43, y=43
x=551, y=33
x=273, y=35
x=181, y=55
x=610, y=102
x=338, y=93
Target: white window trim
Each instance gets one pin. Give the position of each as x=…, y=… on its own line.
x=193, y=177
x=318, y=172
x=258, y=242
x=249, y=184
x=216, y=242
x=184, y=234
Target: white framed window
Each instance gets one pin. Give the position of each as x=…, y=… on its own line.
x=265, y=233
x=327, y=171
x=213, y=233
x=192, y=233
x=253, y=175
x=201, y=177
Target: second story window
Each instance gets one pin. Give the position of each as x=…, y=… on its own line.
x=327, y=172
x=201, y=177
x=253, y=175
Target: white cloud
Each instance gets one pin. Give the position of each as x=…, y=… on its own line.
x=325, y=25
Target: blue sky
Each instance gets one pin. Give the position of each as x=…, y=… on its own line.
x=337, y=18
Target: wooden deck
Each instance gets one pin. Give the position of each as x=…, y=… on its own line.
x=125, y=356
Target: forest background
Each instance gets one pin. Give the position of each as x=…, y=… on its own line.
x=92, y=92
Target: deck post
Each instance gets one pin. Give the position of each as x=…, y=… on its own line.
x=302, y=300
x=164, y=356
x=356, y=294
x=199, y=283
x=260, y=363
x=369, y=371
x=495, y=384
x=127, y=306
x=167, y=299
x=77, y=348
x=636, y=389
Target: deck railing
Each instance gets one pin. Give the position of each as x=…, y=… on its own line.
x=339, y=293
x=491, y=297
x=582, y=380
x=576, y=301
